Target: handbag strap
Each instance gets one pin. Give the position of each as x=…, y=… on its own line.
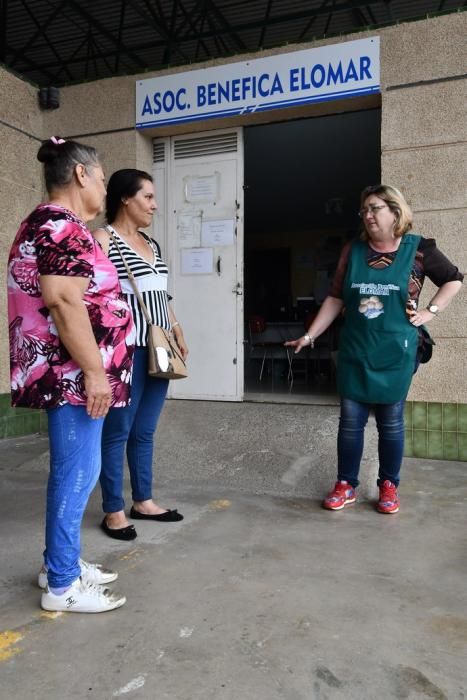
x=131, y=277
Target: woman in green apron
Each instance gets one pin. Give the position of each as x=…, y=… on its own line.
x=377, y=284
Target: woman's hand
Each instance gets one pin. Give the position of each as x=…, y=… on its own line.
x=442, y=299
x=178, y=333
x=329, y=311
x=419, y=318
x=98, y=392
x=297, y=344
x=180, y=340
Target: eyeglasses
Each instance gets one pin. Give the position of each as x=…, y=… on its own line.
x=371, y=209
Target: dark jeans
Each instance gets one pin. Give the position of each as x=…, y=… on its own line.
x=352, y=422
x=134, y=427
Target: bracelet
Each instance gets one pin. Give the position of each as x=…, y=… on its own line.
x=309, y=337
x=175, y=324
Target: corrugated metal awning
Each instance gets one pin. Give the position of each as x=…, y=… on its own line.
x=57, y=42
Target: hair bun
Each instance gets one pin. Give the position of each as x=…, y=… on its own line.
x=50, y=149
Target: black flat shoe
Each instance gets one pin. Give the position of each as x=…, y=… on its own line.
x=170, y=516
x=122, y=533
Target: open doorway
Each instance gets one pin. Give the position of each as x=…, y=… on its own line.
x=302, y=186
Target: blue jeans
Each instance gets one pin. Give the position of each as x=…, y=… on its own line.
x=75, y=461
x=352, y=422
x=133, y=426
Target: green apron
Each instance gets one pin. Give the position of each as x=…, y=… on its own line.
x=378, y=345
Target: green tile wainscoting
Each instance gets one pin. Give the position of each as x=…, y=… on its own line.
x=432, y=430
x=436, y=430
x=20, y=421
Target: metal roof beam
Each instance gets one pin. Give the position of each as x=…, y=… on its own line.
x=265, y=24
x=173, y=23
x=173, y=19
x=156, y=23
x=70, y=58
x=329, y=19
x=97, y=53
x=387, y=4
x=359, y=17
x=201, y=44
x=371, y=15
x=105, y=32
x=33, y=66
x=189, y=15
x=119, y=35
x=158, y=19
x=169, y=31
x=201, y=23
x=19, y=53
x=188, y=18
x=312, y=20
x=220, y=43
x=344, y=6
x=217, y=33
x=44, y=34
x=228, y=29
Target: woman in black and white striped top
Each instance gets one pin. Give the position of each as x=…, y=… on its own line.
x=131, y=205
x=151, y=279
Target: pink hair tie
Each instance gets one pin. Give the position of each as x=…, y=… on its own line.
x=56, y=141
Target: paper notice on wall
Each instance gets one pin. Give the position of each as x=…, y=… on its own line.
x=196, y=261
x=218, y=233
x=189, y=229
x=201, y=188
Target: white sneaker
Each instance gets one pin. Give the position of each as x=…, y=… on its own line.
x=82, y=597
x=91, y=573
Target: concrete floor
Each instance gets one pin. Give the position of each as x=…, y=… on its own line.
x=259, y=594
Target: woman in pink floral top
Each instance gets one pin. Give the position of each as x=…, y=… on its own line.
x=71, y=350
x=53, y=241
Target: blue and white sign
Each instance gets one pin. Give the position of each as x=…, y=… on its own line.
x=284, y=80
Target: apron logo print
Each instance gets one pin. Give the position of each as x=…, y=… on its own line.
x=371, y=307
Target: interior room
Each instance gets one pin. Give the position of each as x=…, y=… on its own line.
x=303, y=181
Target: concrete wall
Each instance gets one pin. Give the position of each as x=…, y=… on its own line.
x=108, y=108
x=423, y=153
x=21, y=188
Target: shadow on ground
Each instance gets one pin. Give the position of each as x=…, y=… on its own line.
x=258, y=594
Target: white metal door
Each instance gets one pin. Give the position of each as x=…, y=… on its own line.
x=199, y=188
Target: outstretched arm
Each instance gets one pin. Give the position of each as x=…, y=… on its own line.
x=329, y=311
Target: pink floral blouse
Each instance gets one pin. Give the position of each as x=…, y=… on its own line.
x=53, y=241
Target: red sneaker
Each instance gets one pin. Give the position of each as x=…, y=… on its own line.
x=343, y=494
x=388, y=498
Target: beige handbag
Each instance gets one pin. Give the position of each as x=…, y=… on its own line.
x=164, y=357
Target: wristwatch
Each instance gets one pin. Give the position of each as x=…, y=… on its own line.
x=433, y=309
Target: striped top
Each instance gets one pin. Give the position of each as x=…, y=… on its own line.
x=151, y=279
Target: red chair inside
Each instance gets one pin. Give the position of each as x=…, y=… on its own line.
x=257, y=324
